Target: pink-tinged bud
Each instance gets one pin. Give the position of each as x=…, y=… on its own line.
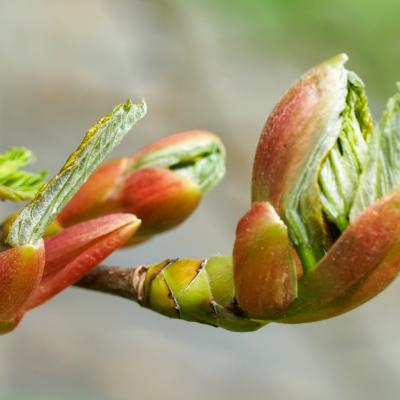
x=294, y=128
x=162, y=184
x=264, y=269
x=76, y=250
x=160, y=198
x=185, y=142
x=21, y=270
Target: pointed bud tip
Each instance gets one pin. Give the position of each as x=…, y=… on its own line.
x=340, y=59
x=120, y=219
x=294, y=128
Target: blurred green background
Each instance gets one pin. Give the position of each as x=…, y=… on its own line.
x=214, y=64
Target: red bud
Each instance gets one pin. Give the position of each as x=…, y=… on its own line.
x=76, y=250
x=160, y=198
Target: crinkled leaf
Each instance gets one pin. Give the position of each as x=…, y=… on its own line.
x=302, y=207
x=99, y=141
x=16, y=184
x=201, y=161
x=341, y=169
x=382, y=172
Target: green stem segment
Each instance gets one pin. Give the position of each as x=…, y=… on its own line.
x=192, y=290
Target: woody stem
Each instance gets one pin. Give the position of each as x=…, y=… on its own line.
x=119, y=281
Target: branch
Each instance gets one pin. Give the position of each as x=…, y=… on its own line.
x=119, y=281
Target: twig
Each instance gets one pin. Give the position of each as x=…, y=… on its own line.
x=119, y=281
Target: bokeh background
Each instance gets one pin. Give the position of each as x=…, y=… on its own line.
x=214, y=64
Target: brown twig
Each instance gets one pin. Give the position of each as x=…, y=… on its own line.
x=119, y=281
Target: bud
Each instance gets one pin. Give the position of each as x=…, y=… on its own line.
x=333, y=180
x=76, y=250
x=195, y=290
x=160, y=198
x=162, y=184
x=310, y=154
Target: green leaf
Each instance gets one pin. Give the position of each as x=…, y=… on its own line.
x=317, y=209
x=99, y=141
x=341, y=169
x=382, y=171
x=202, y=162
x=17, y=185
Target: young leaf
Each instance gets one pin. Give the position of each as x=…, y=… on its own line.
x=16, y=184
x=198, y=156
x=99, y=141
x=326, y=188
x=382, y=172
x=344, y=164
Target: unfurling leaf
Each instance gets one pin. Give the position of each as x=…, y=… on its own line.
x=382, y=171
x=16, y=184
x=99, y=141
